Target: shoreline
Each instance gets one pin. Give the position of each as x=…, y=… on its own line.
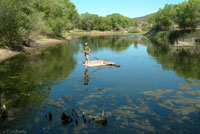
x=99, y=33
x=43, y=41
x=6, y=54
x=40, y=43
x=177, y=38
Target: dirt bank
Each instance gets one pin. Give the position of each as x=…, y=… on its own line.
x=6, y=53
x=39, y=43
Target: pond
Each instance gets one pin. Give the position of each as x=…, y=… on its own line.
x=156, y=89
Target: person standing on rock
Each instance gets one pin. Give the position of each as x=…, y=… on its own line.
x=86, y=53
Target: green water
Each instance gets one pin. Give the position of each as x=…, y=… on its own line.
x=156, y=89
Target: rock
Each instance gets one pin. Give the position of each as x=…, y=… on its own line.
x=66, y=119
x=102, y=120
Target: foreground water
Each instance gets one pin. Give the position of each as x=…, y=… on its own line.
x=156, y=89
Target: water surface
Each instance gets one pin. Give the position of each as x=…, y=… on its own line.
x=156, y=89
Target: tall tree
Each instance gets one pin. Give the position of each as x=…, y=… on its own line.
x=21, y=20
x=164, y=19
x=188, y=14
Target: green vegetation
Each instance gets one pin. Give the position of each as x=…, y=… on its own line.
x=185, y=15
x=25, y=19
x=111, y=22
x=188, y=14
x=173, y=37
x=176, y=24
x=22, y=21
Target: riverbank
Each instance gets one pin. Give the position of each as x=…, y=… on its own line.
x=40, y=42
x=43, y=41
x=98, y=33
x=6, y=54
x=179, y=38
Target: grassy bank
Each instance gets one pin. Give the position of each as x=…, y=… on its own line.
x=176, y=38
x=97, y=33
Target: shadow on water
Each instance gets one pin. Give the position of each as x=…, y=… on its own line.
x=49, y=92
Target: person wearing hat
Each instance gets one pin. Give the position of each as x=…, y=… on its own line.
x=86, y=53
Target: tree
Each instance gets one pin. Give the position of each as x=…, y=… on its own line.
x=110, y=22
x=164, y=19
x=188, y=14
x=120, y=21
x=89, y=21
x=59, y=16
x=135, y=23
x=15, y=21
x=21, y=20
x=104, y=24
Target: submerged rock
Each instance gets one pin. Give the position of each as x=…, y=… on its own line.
x=102, y=120
x=66, y=119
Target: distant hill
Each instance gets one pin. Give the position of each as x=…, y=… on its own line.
x=143, y=18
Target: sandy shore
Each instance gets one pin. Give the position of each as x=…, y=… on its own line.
x=6, y=54
x=42, y=42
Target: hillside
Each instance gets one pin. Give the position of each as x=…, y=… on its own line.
x=143, y=18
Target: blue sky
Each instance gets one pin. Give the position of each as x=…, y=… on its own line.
x=130, y=8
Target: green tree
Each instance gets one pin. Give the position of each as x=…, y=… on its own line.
x=136, y=23
x=21, y=20
x=120, y=21
x=104, y=24
x=188, y=14
x=59, y=16
x=164, y=19
x=89, y=21
x=15, y=21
